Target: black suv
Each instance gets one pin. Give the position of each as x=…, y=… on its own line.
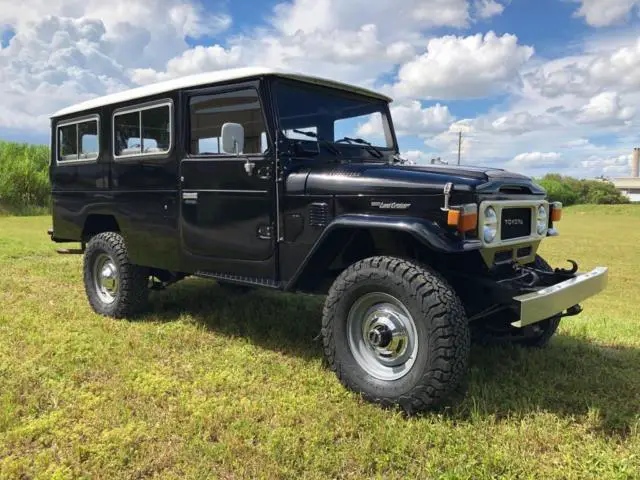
x=267, y=179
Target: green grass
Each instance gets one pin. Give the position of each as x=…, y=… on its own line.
x=209, y=385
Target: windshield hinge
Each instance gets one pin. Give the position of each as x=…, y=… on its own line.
x=448, y=187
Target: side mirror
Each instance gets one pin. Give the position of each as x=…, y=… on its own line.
x=232, y=138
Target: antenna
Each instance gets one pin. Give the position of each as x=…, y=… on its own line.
x=459, y=145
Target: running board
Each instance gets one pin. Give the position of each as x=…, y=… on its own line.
x=241, y=280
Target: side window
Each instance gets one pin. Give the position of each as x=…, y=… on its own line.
x=145, y=131
x=88, y=140
x=78, y=141
x=207, y=114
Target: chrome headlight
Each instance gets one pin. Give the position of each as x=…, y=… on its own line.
x=490, y=225
x=542, y=221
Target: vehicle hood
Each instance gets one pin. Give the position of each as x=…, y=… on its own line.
x=363, y=178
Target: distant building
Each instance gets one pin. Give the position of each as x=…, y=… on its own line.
x=630, y=186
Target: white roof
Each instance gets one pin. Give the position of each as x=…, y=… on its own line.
x=206, y=79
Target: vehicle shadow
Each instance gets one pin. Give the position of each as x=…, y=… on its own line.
x=573, y=377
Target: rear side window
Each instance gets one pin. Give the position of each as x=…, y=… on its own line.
x=78, y=140
x=143, y=131
x=207, y=114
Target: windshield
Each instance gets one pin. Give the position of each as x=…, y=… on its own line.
x=312, y=114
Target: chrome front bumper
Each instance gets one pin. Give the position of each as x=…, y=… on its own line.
x=550, y=301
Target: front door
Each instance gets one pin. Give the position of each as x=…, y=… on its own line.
x=227, y=201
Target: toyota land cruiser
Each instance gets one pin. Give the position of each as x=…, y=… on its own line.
x=268, y=179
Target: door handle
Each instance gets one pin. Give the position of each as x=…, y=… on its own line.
x=248, y=167
x=190, y=197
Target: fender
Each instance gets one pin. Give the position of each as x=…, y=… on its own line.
x=427, y=232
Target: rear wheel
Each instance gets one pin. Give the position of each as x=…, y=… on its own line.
x=115, y=287
x=396, y=332
x=498, y=330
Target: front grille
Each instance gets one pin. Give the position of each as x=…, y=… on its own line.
x=516, y=223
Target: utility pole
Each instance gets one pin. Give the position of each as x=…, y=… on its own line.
x=459, y=145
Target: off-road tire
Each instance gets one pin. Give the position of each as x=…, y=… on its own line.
x=499, y=331
x=439, y=371
x=133, y=289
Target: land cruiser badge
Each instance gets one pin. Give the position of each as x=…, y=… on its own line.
x=390, y=205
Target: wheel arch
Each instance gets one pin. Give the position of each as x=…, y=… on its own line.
x=96, y=223
x=351, y=238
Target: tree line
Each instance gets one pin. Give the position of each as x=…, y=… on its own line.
x=572, y=191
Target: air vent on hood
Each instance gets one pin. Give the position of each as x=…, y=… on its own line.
x=515, y=190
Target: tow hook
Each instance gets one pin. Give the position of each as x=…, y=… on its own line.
x=564, y=271
x=572, y=311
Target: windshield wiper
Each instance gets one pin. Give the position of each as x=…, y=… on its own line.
x=368, y=146
x=324, y=142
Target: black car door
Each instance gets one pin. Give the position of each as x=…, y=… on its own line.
x=227, y=200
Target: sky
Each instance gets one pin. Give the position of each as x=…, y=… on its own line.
x=535, y=86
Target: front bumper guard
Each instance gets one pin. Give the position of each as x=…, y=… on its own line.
x=550, y=301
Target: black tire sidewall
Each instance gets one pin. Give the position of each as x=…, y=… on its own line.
x=95, y=248
x=133, y=279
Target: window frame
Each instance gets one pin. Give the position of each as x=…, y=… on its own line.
x=76, y=121
x=387, y=121
x=139, y=108
x=220, y=90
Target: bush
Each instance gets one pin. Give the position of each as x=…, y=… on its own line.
x=571, y=191
x=24, y=176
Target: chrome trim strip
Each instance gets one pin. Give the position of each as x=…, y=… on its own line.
x=225, y=191
x=550, y=301
x=189, y=195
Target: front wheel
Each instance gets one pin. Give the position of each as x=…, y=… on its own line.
x=397, y=333
x=115, y=287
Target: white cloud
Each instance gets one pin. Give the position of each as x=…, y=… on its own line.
x=463, y=67
x=521, y=122
x=65, y=51
x=417, y=157
x=194, y=60
x=410, y=118
x=602, y=13
x=618, y=165
x=56, y=61
x=587, y=75
x=535, y=160
x=605, y=108
x=328, y=15
x=488, y=8
x=192, y=20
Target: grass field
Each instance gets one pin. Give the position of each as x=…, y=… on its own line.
x=215, y=386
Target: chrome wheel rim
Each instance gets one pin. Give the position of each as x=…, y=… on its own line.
x=106, y=278
x=382, y=336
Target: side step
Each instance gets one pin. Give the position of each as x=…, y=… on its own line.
x=240, y=280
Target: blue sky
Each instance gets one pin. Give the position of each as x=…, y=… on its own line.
x=534, y=86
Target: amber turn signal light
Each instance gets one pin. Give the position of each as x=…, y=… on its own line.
x=556, y=212
x=464, y=218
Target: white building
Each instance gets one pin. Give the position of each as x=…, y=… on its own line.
x=630, y=186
